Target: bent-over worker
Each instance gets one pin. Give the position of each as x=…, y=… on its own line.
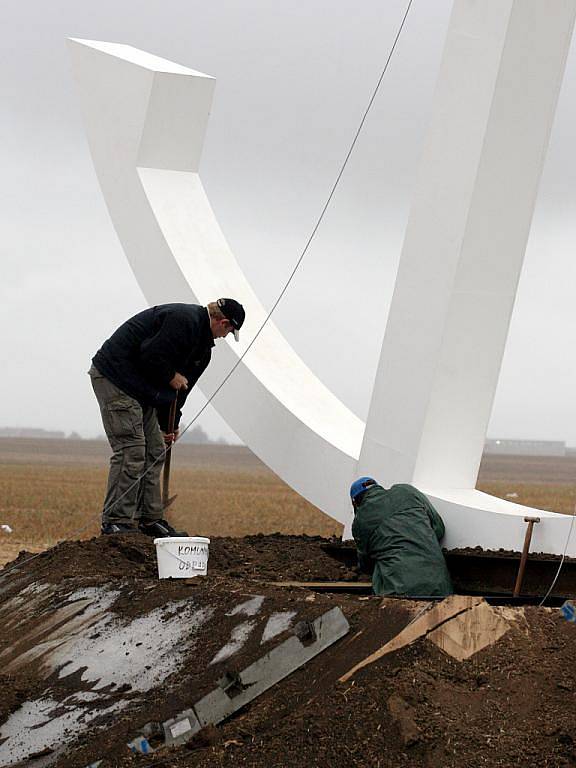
x=397, y=533
x=154, y=357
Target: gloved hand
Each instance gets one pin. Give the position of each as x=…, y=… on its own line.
x=179, y=382
x=170, y=437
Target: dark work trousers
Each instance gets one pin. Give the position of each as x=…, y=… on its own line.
x=136, y=441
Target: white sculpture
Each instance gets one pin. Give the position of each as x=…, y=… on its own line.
x=499, y=82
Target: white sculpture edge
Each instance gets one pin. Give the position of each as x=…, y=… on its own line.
x=146, y=119
x=461, y=262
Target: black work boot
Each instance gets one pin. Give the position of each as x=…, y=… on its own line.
x=108, y=528
x=159, y=529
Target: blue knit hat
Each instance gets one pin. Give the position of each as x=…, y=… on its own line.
x=360, y=485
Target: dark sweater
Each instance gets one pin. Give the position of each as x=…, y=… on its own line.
x=142, y=356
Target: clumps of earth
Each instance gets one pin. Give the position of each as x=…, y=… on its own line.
x=93, y=647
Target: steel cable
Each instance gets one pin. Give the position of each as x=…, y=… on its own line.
x=562, y=559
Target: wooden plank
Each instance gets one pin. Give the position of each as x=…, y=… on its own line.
x=437, y=615
x=328, y=586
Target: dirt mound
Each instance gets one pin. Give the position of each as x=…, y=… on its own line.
x=511, y=705
x=93, y=647
x=280, y=558
x=275, y=558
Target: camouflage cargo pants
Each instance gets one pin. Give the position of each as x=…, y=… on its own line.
x=136, y=441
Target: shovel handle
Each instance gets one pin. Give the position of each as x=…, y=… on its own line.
x=525, y=551
x=167, y=460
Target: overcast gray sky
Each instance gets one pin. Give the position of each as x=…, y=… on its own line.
x=292, y=82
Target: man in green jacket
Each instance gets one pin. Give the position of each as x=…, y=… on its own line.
x=397, y=533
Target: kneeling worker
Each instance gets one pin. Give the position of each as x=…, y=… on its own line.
x=397, y=533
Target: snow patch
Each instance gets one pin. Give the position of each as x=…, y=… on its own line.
x=238, y=637
x=48, y=724
x=248, y=608
x=277, y=623
x=139, y=654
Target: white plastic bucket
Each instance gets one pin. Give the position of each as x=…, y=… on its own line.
x=182, y=557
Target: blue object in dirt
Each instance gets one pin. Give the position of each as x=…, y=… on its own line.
x=568, y=610
x=140, y=744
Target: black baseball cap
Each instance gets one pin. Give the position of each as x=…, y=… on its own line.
x=234, y=312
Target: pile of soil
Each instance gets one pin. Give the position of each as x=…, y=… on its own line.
x=276, y=557
x=281, y=558
x=511, y=704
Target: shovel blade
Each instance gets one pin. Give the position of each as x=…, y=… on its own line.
x=170, y=501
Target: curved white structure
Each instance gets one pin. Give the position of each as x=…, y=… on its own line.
x=146, y=119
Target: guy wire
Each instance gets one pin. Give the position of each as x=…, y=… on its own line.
x=555, y=579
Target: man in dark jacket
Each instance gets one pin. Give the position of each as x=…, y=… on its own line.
x=155, y=357
x=397, y=533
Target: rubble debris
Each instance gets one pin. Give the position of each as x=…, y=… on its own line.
x=404, y=717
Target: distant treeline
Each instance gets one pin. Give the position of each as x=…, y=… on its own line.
x=34, y=433
x=195, y=435
x=198, y=436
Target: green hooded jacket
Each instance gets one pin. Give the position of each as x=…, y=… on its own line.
x=397, y=533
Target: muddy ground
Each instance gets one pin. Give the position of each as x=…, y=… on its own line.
x=511, y=704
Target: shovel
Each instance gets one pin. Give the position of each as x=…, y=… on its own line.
x=167, y=501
